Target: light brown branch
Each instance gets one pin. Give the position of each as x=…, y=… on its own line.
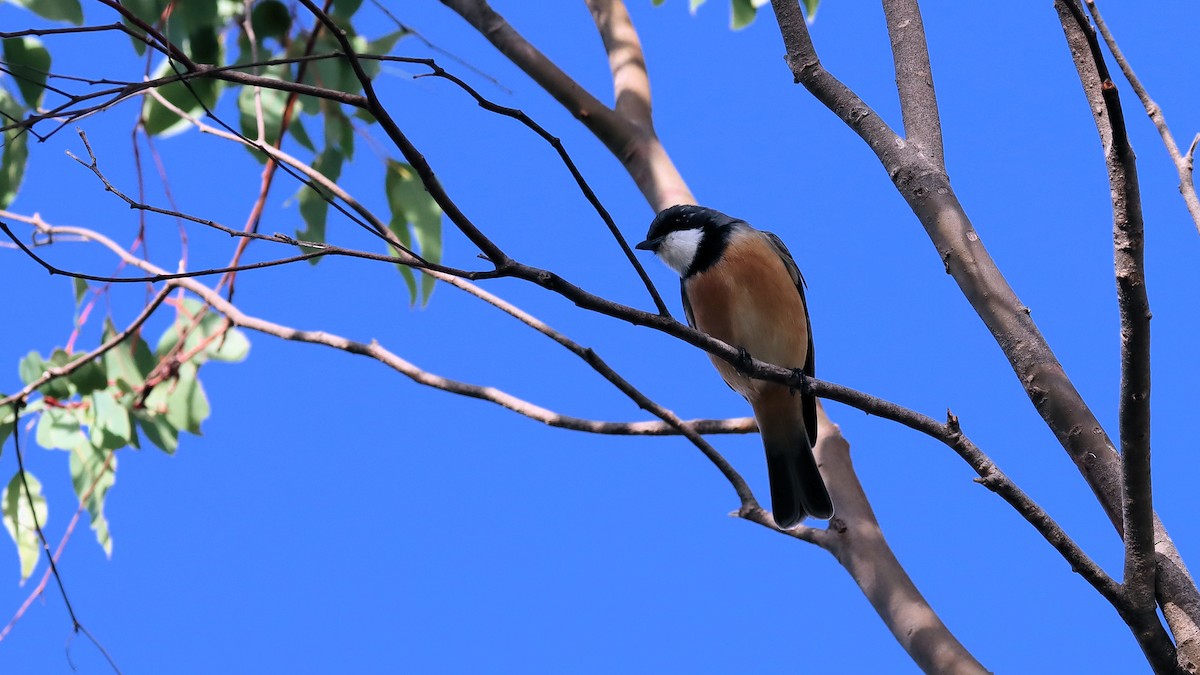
x=636, y=146
x=631, y=84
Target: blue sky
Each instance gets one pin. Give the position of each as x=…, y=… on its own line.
x=335, y=516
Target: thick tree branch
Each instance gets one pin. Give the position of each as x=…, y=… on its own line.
x=927, y=190
x=1183, y=161
x=631, y=84
x=914, y=78
x=857, y=542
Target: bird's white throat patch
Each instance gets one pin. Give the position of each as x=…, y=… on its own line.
x=678, y=249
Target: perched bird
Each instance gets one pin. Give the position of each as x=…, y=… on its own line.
x=741, y=286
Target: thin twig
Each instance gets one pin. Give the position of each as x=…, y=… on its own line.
x=76, y=626
x=75, y=364
x=1183, y=161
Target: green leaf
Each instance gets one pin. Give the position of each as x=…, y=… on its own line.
x=187, y=405
x=28, y=63
x=743, y=12
x=339, y=131
x=158, y=430
x=203, y=327
x=149, y=11
x=810, y=9
x=111, y=427
x=345, y=8
x=129, y=362
x=19, y=519
x=273, y=103
x=380, y=47
x=694, y=5
x=88, y=377
x=194, y=96
x=270, y=19
x=55, y=10
x=31, y=367
x=413, y=208
x=8, y=422
x=80, y=287
x=58, y=428
x=313, y=205
x=16, y=150
x=301, y=135
x=93, y=472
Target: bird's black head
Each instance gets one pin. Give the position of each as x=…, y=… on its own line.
x=688, y=238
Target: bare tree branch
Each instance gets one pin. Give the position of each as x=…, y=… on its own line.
x=927, y=190
x=914, y=78
x=1134, y=306
x=857, y=542
x=1183, y=161
x=634, y=144
x=631, y=85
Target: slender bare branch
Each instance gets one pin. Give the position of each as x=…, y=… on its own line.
x=1134, y=307
x=634, y=144
x=914, y=78
x=76, y=625
x=1183, y=161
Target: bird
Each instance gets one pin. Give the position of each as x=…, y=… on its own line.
x=741, y=286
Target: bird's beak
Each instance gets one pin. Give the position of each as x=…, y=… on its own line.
x=649, y=244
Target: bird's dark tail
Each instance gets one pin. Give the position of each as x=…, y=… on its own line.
x=797, y=488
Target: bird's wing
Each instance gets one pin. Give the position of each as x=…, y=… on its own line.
x=810, y=402
x=687, y=306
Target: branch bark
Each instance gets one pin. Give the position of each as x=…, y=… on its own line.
x=1183, y=162
x=914, y=78
x=926, y=188
x=635, y=145
x=1134, y=307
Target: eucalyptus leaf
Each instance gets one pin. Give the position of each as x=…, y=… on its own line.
x=93, y=472
x=158, y=430
x=187, y=405
x=55, y=10
x=414, y=215
x=21, y=521
x=221, y=341
x=111, y=425
x=29, y=64
x=88, y=377
x=129, y=362
x=59, y=429
x=193, y=96
x=16, y=151
x=314, y=204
